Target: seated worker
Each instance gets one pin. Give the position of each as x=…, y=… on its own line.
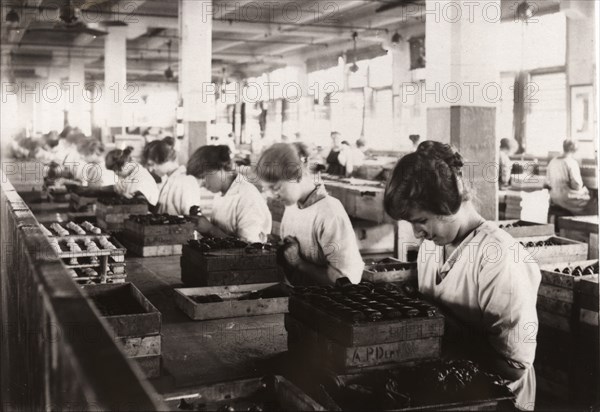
x=241, y=210
x=320, y=244
x=132, y=178
x=334, y=166
x=508, y=147
x=480, y=274
x=352, y=157
x=179, y=192
x=563, y=179
x=92, y=171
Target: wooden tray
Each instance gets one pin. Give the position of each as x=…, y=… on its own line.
x=147, y=322
x=316, y=348
x=71, y=232
x=366, y=333
x=141, y=231
x=502, y=399
x=526, y=229
x=147, y=251
x=229, y=259
x=62, y=242
x=192, y=275
x=566, y=250
x=389, y=270
x=231, y=307
x=562, y=280
x=286, y=395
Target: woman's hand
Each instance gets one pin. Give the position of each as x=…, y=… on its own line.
x=291, y=251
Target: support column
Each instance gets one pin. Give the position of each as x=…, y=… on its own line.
x=463, y=89
x=195, y=73
x=115, y=81
x=76, y=104
x=403, y=92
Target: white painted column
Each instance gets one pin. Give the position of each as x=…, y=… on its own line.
x=195, y=72
x=463, y=88
x=76, y=103
x=115, y=81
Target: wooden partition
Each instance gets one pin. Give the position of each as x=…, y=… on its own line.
x=55, y=353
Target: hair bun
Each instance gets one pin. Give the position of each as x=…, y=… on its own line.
x=441, y=151
x=224, y=153
x=127, y=151
x=169, y=140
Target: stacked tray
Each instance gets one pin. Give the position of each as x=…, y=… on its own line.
x=111, y=212
x=90, y=253
x=361, y=326
x=156, y=234
x=229, y=261
x=389, y=270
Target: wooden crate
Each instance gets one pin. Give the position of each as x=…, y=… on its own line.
x=149, y=251
x=522, y=228
x=566, y=250
x=230, y=259
x=144, y=232
x=499, y=398
x=367, y=333
x=231, y=307
x=150, y=365
x=582, y=228
x=80, y=202
x=368, y=203
x=315, y=347
x=103, y=209
x=193, y=275
x=146, y=322
x=286, y=396
x=389, y=270
x=588, y=289
x=559, y=299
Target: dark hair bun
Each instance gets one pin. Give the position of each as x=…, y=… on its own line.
x=429, y=179
x=224, y=153
x=169, y=140
x=127, y=151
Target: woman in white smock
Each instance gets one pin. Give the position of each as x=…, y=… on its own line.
x=179, y=192
x=483, y=277
x=132, y=178
x=240, y=210
x=321, y=246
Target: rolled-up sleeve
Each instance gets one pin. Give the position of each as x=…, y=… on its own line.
x=338, y=243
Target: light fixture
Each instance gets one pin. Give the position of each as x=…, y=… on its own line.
x=12, y=16
x=169, y=72
x=396, y=38
x=354, y=68
x=524, y=11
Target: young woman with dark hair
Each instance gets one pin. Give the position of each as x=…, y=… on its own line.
x=320, y=242
x=92, y=171
x=240, y=210
x=478, y=272
x=132, y=178
x=179, y=193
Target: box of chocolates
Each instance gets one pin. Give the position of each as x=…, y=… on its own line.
x=156, y=234
x=523, y=228
x=111, y=212
x=552, y=249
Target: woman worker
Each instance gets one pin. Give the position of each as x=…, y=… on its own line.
x=478, y=272
x=563, y=178
x=92, y=171
x=132, y=178
x=178, y=191
x=240, y=211
x=320, y=245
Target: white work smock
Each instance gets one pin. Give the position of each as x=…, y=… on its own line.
x=242, y=212
x=566, y=186
x=325, y=234
x=178, y=193
x=490, y=283
x=140, y=180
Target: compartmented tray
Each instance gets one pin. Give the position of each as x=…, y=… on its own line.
x=255, y=394
x=389, y=270
x=224, y=301
x=553, y=249
x=117, y=251
x=417, y=388
x=90, y=275
x=305, y=344
x=405, y=318
x=68, y=229
x=523, y=228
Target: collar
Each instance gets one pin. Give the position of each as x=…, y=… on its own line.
x=319, y=193
x=456, y=254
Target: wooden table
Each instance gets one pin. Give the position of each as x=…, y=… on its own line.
x=583, y=228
